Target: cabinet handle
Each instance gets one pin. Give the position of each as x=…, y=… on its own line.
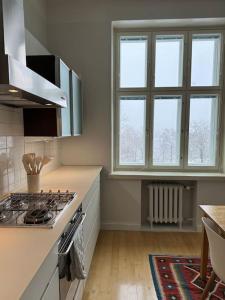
x=83, y=218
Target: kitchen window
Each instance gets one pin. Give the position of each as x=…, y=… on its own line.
x=168, y=100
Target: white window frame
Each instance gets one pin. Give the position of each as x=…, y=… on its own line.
x=150, y=91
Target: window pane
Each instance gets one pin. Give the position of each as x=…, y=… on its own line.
x=133, y=62
x=205, y=65
x=132, y=130
x=169, y=60
x=202, y=130
x=166, y=130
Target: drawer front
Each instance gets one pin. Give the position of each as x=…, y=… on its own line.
x=73, y=289
x=92, y=212
x=89, y=250
x=80, y=290
x=52, y=291
x=88, y=197
x=40, y=281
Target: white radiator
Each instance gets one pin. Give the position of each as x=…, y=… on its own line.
x=165, y=203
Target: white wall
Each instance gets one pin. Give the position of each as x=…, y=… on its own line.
x=33, y=45
x=35, y=15
x=80, y=32
x=208, y=193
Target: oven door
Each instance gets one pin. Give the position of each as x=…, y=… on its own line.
x=67, y=287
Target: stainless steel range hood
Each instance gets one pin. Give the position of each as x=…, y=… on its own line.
x=19, y=85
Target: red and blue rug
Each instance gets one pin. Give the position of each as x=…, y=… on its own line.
x=178, y=278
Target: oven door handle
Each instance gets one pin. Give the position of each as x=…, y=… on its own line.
x=71, y=243
x=83, y=216
x=67, y=250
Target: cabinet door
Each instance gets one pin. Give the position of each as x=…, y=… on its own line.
x=76, y=104
x=65, y=112
x=91, y=225
x=52, y=291
x=43, y=277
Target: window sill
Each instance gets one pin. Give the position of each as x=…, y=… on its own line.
x=166, y=175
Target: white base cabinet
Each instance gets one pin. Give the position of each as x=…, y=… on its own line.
x=91, y=227
x=45, y=284
x=41, y=281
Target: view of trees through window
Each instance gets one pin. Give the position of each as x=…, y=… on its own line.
x=168, y=111
x=166, y=130
x=202, y=130
x=132, y=130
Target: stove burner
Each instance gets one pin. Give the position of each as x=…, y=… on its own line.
x=51, y=204
x=5, y=215
x=38, y=216
x=17, y=204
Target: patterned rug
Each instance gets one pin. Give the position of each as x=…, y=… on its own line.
x=178, y=278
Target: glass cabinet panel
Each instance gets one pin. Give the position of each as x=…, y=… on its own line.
x=76, y=104
x=65, y=112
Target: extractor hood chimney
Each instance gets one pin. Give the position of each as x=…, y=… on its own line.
x=19, y=85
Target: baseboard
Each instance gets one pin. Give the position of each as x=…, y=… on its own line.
x=121, y=226
x=138, y=227
x=168, y=229
x=199, y=227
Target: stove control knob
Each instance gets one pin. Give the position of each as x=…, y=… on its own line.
x=50, y=191
x=58, y=191
x=67, y=191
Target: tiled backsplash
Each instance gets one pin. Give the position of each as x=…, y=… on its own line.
x=12, y=147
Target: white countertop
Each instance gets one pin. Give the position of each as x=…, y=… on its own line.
x=23, y=250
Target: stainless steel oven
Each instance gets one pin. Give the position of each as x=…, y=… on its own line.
x=67, y=286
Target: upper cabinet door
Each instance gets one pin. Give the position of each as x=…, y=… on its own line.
x=76, y=104
x=65, y=112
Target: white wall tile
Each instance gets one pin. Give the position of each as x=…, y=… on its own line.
x=4, y=184
x=3, y=162
x=13, y=146
x=2, y=142
x=11, y=176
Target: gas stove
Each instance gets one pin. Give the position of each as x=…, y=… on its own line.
x=34, y=210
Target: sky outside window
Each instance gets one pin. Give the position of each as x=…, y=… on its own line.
x=205, y=64
x=169, y=60
x=133, y=62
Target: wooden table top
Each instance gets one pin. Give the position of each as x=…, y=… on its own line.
x=216, y=213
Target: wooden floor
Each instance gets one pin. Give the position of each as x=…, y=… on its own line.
x=120, y=267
